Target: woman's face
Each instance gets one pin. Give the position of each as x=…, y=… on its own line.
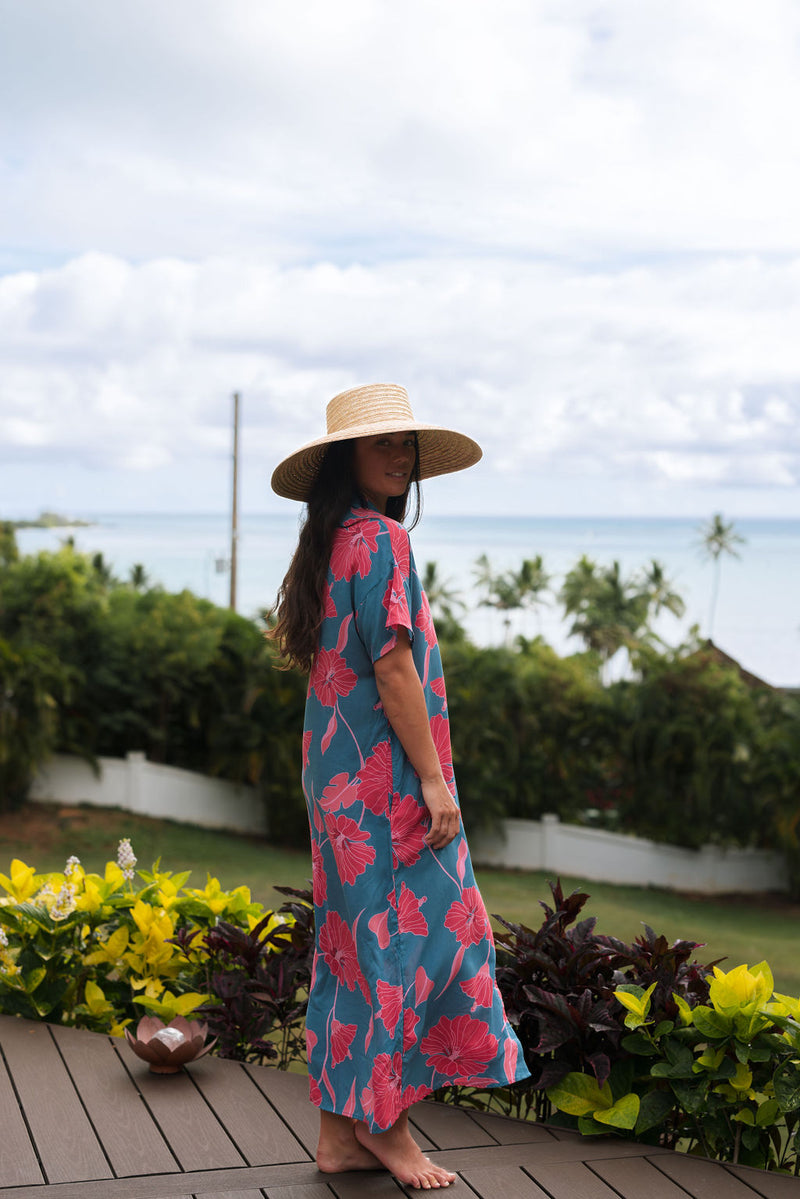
x=383, y=466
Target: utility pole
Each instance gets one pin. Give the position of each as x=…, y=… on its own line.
x=235, y=506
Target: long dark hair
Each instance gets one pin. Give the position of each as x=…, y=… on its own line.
x=298, y=607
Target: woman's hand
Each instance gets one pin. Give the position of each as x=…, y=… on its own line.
x=445, y=815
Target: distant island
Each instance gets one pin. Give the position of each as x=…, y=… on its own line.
x=51, y=520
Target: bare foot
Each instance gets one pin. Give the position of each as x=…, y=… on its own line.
x=402, y=1156
x=338, y=1149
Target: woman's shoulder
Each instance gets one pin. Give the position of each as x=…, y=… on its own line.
x=366, y=528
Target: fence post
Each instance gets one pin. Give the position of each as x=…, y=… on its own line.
x=135, y=779
x=549, y=823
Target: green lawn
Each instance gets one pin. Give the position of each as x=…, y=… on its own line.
x=739, y=929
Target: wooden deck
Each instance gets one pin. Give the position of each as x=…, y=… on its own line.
x=82, y=1118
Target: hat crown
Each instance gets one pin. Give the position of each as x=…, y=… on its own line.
x=377, y=403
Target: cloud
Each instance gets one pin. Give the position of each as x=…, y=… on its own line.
x=359, y=130
x=638, y=376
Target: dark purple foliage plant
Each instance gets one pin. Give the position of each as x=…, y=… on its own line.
x=259, y=982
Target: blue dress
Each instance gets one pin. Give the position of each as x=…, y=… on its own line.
x=403, y=998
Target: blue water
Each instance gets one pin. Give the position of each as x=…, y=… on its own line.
x=757, y=619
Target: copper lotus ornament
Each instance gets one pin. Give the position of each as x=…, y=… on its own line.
x=167, y=1047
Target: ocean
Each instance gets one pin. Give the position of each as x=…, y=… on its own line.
x=757, y=619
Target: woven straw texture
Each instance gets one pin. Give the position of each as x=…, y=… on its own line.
x=368, y=411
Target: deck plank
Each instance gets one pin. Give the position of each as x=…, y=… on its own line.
x=638, y=1176
x=449, y=1127
x=65, y=1140
x=367, y=1185
x=509, y=1181
x=260, y=1134
x=574, y=1180
x=127, y=1131
x=288, y=1093
x=18, y=1162
x=767, y=1183
x=507, y=1131
x=704, y=1179
x=188, y=1125
x=311, y=1190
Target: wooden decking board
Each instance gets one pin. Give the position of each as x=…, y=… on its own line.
x=227, y=1125
x=113, y=1104
x=259, y=1194
x=65, y=1140
x=510, y=1182
x=18, y=1161
x=288, y=1093
x=704, y=1179
x=510, y=1132
x=767, y=1183
x=313, y=1190
x=367, y=1185
x=638, y=1176
x=189, y=1126
x=260, y=1135
x=449, y=1127
x=574, y=1180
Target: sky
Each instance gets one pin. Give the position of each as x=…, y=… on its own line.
x=571, y=228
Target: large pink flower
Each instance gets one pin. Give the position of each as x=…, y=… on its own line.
x=386, y=1084
x=408, y=829
x=341, y=1039
x=396, y=604
x=467, y=918
x=401, y=546
x=337, y=946
x=440, y=731
x=459, y=1047
x=480, y=987
x=409, y=916
x=347, y=839
x=390, y=996
x=375, y=779
x=320, y=878
x=353, y=547
x=410, y=1022
x=424, y=621
x=331, y=677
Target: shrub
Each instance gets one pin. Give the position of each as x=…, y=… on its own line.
x=94, y=950
x=722, y=1079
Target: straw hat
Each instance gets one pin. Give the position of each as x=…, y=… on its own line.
x=366, y=412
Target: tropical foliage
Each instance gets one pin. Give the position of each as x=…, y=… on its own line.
x=644, y=1041
x=98, y=951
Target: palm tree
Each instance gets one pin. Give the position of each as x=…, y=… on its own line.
x=139, y=578
x=444, y=601
x=659, y=589
x=609, y=611
x=718, y=538
x=513, y=589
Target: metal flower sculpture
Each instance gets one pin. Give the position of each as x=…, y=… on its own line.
x=167, y=1047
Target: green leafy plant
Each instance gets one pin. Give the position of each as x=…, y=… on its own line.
x=94, y=950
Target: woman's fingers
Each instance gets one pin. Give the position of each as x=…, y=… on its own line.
x=444, y=813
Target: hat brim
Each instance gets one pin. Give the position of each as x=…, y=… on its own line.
x=441, y=452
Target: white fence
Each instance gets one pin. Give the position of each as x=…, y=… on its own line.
x=136, y=785
x=589, y=853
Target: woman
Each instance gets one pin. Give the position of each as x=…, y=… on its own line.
x=403, y=998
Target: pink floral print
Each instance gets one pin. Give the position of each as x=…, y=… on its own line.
x=403, y=998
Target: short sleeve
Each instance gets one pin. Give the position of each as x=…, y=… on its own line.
x=382, y=600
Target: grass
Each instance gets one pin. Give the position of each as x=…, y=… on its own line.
x=739, y=929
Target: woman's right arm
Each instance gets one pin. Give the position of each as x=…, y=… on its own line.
x=403, y=702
